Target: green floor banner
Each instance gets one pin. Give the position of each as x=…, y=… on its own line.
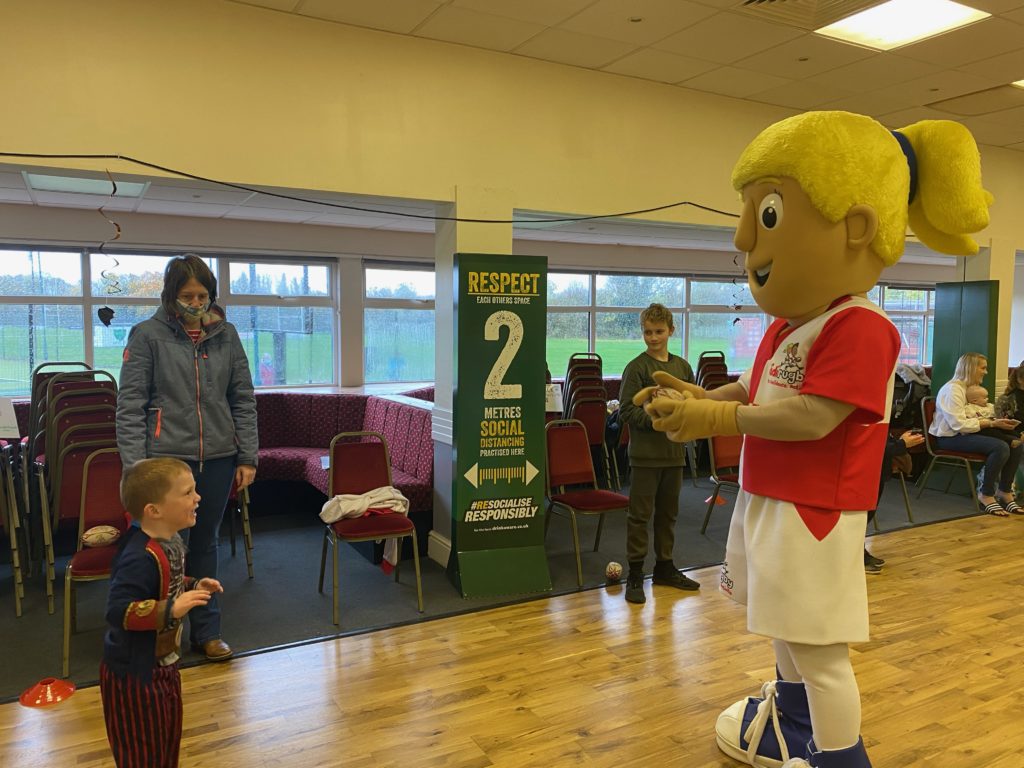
x=498, y=426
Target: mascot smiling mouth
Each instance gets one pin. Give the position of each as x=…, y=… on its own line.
x=761, y=275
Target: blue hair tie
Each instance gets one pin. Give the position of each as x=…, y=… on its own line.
x=908, y=151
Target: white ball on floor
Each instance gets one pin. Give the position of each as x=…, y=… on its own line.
x=613, y=571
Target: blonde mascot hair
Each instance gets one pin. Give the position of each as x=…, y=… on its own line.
x=841, y=159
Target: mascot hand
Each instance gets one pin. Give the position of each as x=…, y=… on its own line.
x=668, y=386
x=690, y=419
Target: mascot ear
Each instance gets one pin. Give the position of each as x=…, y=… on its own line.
x=861, y=226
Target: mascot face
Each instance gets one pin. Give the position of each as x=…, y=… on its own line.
x=797, y=261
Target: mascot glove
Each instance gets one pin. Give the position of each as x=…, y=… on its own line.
x=690, y=419
x=668, y=381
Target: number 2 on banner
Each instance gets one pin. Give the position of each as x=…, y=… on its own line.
x=494, y=389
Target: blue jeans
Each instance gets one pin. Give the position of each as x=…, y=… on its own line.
x=1001, y=460
x=213, y=484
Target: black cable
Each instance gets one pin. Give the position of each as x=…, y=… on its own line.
x=242, y=187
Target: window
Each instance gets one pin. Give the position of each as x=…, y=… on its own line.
x=40, y=313
x=284, y=314
x=398, y=324
x=912, y=311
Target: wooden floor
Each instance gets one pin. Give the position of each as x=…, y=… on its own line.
x=590, y=680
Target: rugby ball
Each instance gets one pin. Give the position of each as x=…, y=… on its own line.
x=100, y=536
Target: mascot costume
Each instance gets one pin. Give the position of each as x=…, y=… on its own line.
x=826, y=199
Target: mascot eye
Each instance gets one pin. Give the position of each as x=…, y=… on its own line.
x=769, y=213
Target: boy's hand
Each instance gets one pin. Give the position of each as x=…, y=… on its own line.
x=690, y=419
x=186, y=601
x=209, y=585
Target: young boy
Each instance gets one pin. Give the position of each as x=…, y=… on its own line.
x=149, y=595
x=656, y=463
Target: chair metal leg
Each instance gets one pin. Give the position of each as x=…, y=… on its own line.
x=906, y=499
x=600, y=525
x=69, y=598
x=48, y=559
x=691, y=459
x=247, y=537
x=923, y=482
x=711, y=506
x=576, y=548
x=970, y=486
x=323, y=561
x=615, y=469
x=334, y=578
x=416, y=565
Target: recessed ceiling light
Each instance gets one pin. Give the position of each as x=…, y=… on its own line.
x=901, y=22
x=44, y=183
x=1018, y=83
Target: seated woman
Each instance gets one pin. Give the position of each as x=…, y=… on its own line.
x=1010, y=405
x=955, y=430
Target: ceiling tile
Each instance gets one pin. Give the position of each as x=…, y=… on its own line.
x=12, y=180
x=938, y=86
x=995, y=6
x=905, y=117
x=267, y=214
x=466, y=27
x=820, y=54
x=727, y=37
x=878, y=71
x=998, y=99
x=799, y=94
x=565, y=47
x=611, y=19
x=1016, y=16
x=987, y=131
x=663, y=66
x=1006, y=68
x=735, y=82
x=546, y=12
x=1009, y=117
x=394, y=15
x=872, y=103
x=987, y=38
x=14, y=195
x=194, y=195
x=182, y=208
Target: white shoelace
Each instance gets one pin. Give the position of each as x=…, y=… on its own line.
x=766, y=711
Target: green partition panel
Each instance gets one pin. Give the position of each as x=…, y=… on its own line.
x=966, y=320
x=498, y=426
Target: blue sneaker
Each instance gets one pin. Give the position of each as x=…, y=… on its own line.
x=767, y=732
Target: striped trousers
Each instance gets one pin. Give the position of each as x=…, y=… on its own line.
x=143, y=719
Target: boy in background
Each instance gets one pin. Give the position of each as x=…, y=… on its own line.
x=656, y=463
x=149, y=595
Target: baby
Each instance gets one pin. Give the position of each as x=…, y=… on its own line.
x=978, y=407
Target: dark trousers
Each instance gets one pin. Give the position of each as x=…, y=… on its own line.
x=213, y=484
x=1001, y=460
x=143, y=719
x=653, y=492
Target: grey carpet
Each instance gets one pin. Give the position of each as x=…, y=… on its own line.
x=281, y=605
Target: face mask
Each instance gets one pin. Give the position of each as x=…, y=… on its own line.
x=191, y=311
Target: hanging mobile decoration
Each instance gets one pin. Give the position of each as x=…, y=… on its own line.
x=737, y=292
x=105, y=313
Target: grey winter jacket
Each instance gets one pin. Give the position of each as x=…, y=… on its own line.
x=184, y=400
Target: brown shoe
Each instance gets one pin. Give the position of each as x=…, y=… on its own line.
x=215, y=650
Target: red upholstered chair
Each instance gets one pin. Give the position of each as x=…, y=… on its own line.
x=571, y=484
x=708, y=357
x=593, y=413
x=100, y=505
x=359, y=462
x=948, y=458
x=724, y=457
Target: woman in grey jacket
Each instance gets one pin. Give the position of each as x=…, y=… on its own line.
x=186, y=392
